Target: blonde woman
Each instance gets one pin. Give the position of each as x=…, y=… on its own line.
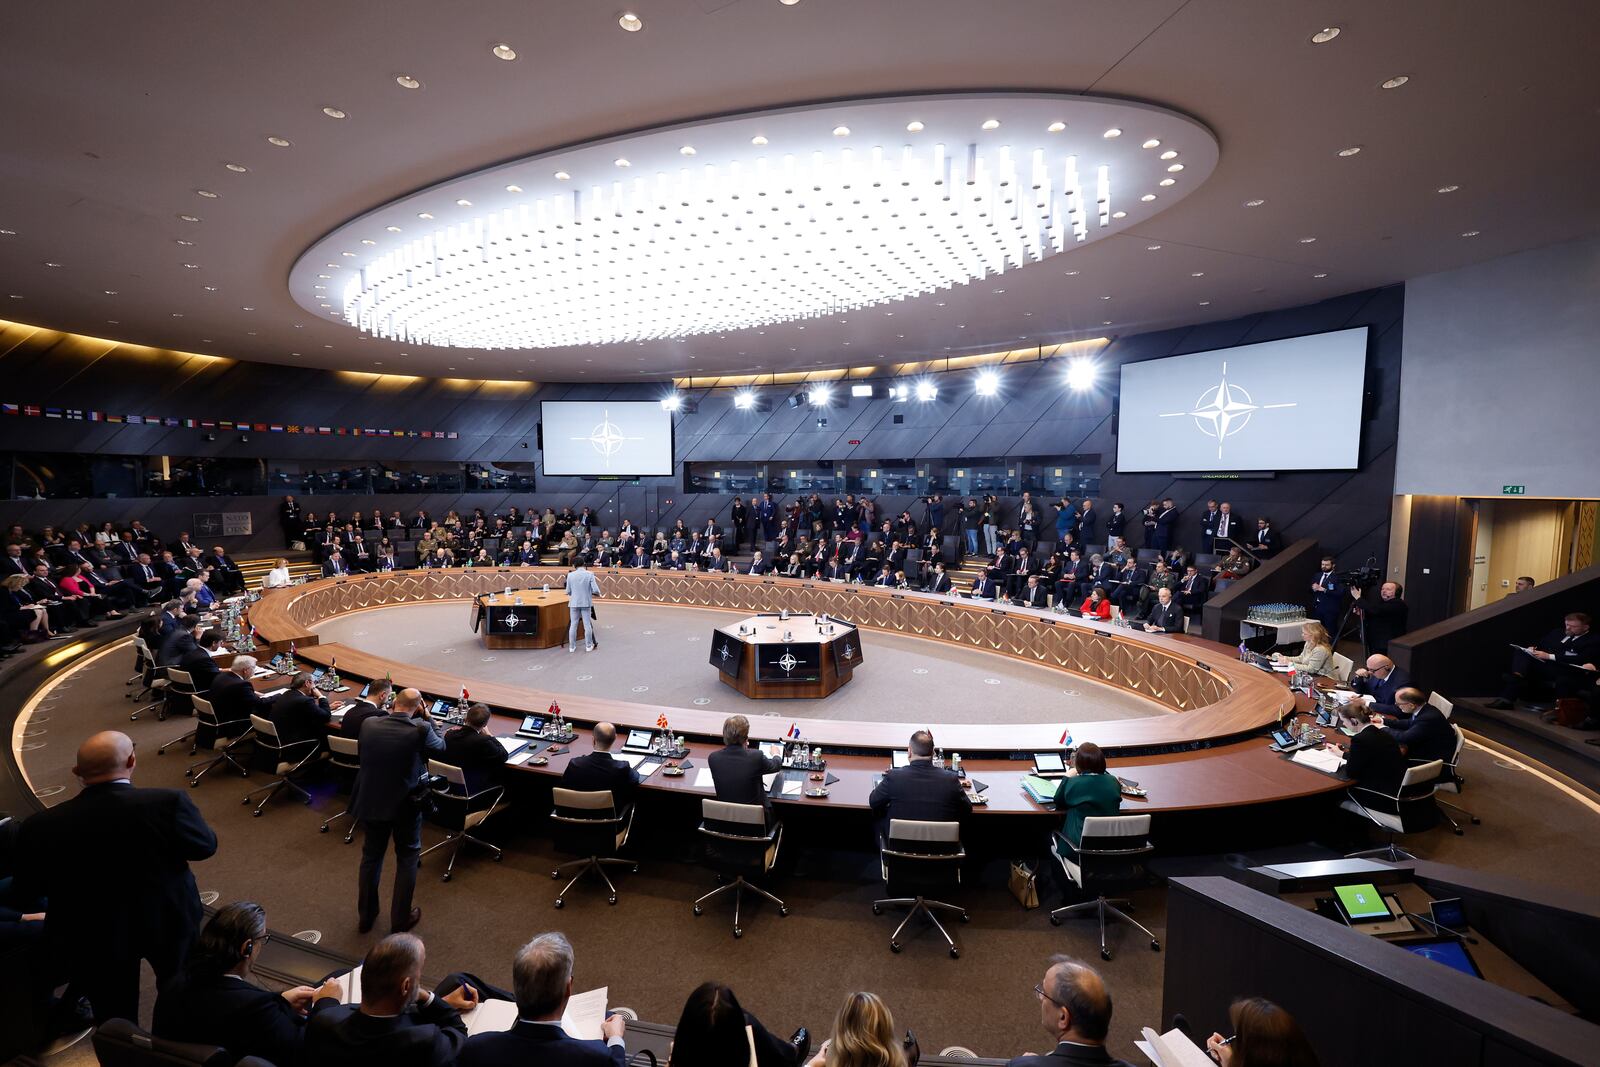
x=863, y=1036
x=278, y=576
x=1316, y=657
x=23, y=613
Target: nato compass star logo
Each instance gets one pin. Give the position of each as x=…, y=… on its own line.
x=848, y=652
x=725, y=652
x=788, y=662
x=607, y=438
x=513, y=620
x=1223, y=410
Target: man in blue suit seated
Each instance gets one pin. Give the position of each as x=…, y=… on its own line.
x=1421, y=728
x=1378, y=682
x=542, y=976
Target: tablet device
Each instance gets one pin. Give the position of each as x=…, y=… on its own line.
x=365, y=690
x=441, y=707
x=316, y=675
x=1449, y=913
x=771, y=749
x=900, y=759
x=1362, y=903
x=1283, y=739
x=1048, y=762
x=1445, y=950
x=531, y=724
x=639, y=740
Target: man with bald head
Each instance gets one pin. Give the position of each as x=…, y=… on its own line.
x=114, y=863
x=1378, y=682
x=599, y=769
x=395, y=749
x=1075, y=1009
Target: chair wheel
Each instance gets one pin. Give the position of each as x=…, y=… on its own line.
x=1476, y=821
x=738, y=931
x=1105, y=954
x=1055, y=920
x=698, y=910
x=611, y=899
x=497, y=856
x=324, y=829
x=894, y=946
x=560, y=903
x=246, y=800
x=634, y=869
x=194, y=783
x=877, y=910
x=256, y=813
x=555, y=876
x=446, y=877
x=1155, y=946
x=161, y=752
x=1459, y=832
x=783, y=910
x=955, y=953
x=188, y=772
x=965, y=917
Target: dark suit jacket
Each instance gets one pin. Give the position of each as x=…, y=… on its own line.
x=299, y=717
x=1036, y=597
x=178, y=644
x=1169, y=618
x=1382, y=690
x=478, y=755
x=235, y=1014
x=394, y=754
x=1584, y=649
x=359, y=712
x=1376, y=763
x=545, y=1044
x=736, y=772
x=422, y=1037
x=114, y=863
x=202, y=668
x=1068, y=1054
x=937, y=583
x=920, y=792
x=233, y=698
x=600, y=770
x=1426, y=735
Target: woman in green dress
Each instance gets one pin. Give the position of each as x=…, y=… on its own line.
x=1087, y=791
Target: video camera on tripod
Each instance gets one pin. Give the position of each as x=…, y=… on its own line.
x=1364, y=577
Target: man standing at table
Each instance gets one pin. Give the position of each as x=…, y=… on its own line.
x=582, y=588
x=394, y=752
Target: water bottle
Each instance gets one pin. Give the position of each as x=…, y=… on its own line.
x=546, y=587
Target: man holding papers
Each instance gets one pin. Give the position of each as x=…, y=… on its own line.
x=542, y=974
x=397, y=1023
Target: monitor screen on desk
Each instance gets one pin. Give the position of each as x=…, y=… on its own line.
x=771, y=749
x=900, y=759
x=639, y=739
x=1445, y=950
x=1363, y=903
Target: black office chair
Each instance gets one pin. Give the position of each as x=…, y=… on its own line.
x=738, y=843
x=120, y=1043
x=219, y=737
x=286, y=760
x=459, y=812
x=1410, y=809
x=589, y=825
x=1111, y=850
x=921, y=858
x=345, y=758
x=179, y=695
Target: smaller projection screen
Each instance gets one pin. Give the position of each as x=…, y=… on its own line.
x=1288, y=405
x=600, y=438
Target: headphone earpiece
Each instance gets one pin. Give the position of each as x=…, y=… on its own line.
x=249, y=947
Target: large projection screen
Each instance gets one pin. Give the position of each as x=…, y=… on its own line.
x=1289, y=405
x=606, y=438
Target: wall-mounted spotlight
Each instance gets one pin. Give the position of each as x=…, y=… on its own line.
x=672, y=402
x=861, y=390
x=1081, y=374
x=926, y=390
x=818, y=396
x=988, y=383
x=899, y=392
x=744, y=399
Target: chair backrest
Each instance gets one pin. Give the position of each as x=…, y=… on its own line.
x=453, y=775
x=119, y=1043
x=1342, y=666
x=922, y=856
x=181, y=679
x=142, y=647
x=593, y=805
x=739, y=820
x=1112, y=847
x=1419, y=779
x=346, y=750
x=1446, y=708
x=265, y=728
x=203, y=710
x=1461, y=742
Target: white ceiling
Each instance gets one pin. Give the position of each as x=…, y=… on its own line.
x=113, y=117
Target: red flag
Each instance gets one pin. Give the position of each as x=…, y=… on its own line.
x=661, y=720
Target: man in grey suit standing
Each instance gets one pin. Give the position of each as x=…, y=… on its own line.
x=581, y=591
x=394, y=752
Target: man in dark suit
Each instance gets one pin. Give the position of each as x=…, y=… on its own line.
x=920, y=791
x=301, y=714
x=1164, y=529
x=542, y=978
x=398, y=1022
x=1378, y=682
x=1327, y=597
x=394, y=753
x=758, y=565
x=1035, y=595
x=224, y=571
x=1420, y=728
x=334, y=565
x=367, y=707
x=114, y=864
x=289, y=520
x=937, y=581
x=144, y=574
x=472, y=748
x=201, y=663
x=1087, y=518
x=184, y=639
x=736, y=769
x=600, y=770
x=1374, y=762
x=1265, y=542
x=1166, y=614
x=1208, y=527
x=1554, y=662
x=232, y=696
x=985, y=587
x=213, y=1002
x=1383, y=616
x=1194, y=590
x=1229, y=529
x=1075, y=1009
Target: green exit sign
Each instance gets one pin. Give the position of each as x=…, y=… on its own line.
x=1513, y=490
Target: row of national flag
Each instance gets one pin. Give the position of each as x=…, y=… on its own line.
x=82, y=415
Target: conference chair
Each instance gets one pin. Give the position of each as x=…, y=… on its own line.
x=589, y=825
x=459, y=812
x=1342, y=666
x=1446, y=708
x=217, y=736
x=120, y=1043
x=1450, y=781
x=343, y=757
x=921, y=858
x=1410, y=809
x=1111, y=850
x=738, y=843
x=287, y=760
x=180, y=687
x=155, y=687
x=144, y=663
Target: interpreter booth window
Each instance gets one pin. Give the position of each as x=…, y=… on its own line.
x=1055, y=476
x=729, y=478
x=817, y=476
x=895, y=477
x=502, y=478
x=997, y=476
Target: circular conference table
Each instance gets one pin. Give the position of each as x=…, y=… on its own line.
x=1205, y=752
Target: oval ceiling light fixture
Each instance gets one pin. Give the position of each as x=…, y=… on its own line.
x=237, y=168
x=1112, y=134
x=1254, y=203
x=279, y=142
x=1353, y=150
x=334, y=113
x=630, y=22
x=1324, y=35
x=503, y=51
x=406, y=81
x=583, y=254
x=991, y=124
x=1395, y=82
x=1448, y=188
x=914, y=126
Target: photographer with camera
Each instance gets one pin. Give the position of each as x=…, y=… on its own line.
x=1383, y=617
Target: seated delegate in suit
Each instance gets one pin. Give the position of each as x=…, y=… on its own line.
x=736, y=769
x=232, y=696
x=1317, y=655
x=368, y=707
x=919, y=791
x=202, y=663
x=937, y=580
x=1421, y=729
x=599, y=769
x=542, y=979
x=334, y=565
x=181, y=641
x=1075, y=1009
x=301, y=714
x=1166, y=616
x=1088, y=790
x=1034, y=595
x=471, y=747
x=1374, y=761
x=1554, y=663
x=398, y=1023
x=213, y=1002
x=1378, y=682
x=714, y=1030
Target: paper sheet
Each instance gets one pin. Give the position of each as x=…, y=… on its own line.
x=766, y=780
x=511, y=743
x=1319, y=759
x=520, y=758
x=270, y=693
x=585, y=1012
x=491, y=1016
x=703, y=780
x=791, y=789
x=1172, y=1049
x=352, y=987
x=647, y=769
x=632, y=759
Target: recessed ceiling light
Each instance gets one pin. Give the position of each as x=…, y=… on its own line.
x=1169, y=154
x=109, y=292
x=1167, y=181
x=281, y=142
x=1152, y=248
x=505, y=52
x=1055, y=127
x=189, y=244
x=788, y=3
x=686, y=150
x=1471, y=233
x=424, y=214
x=333, y=113
x=190, y=218
x=324, y=277
x=1205, y=303
x=1071, y=273
x=392, y=229
x=1113, y=132
x=1448, y=188
x=999, y=290
x=1105, y=298
x=192, y=266
x=1106, y=323
x=1154, y=142
x=1396, y=81
x=406, y=81
x=177, y=314
x=237, y=168
x=211, y=288
x=1353, y=150
x=630, y=22
x=758, y=140
x=841, y=131
x=622, y=162
x=1147, y=197
x=463, y=203
x=207, y=193
x=8, y=233
x=247, y=309
x=1321, y=275
x=1197, y=274
x=991, y=124
x=1117, y=215
x=18, y=296
x=562, y=176
x=1307, y=240
x=1254, y=203
x=1324, y=35
x=1174, y=168
x=914, y=127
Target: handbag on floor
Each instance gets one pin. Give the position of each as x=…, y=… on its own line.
x=1024, y=884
